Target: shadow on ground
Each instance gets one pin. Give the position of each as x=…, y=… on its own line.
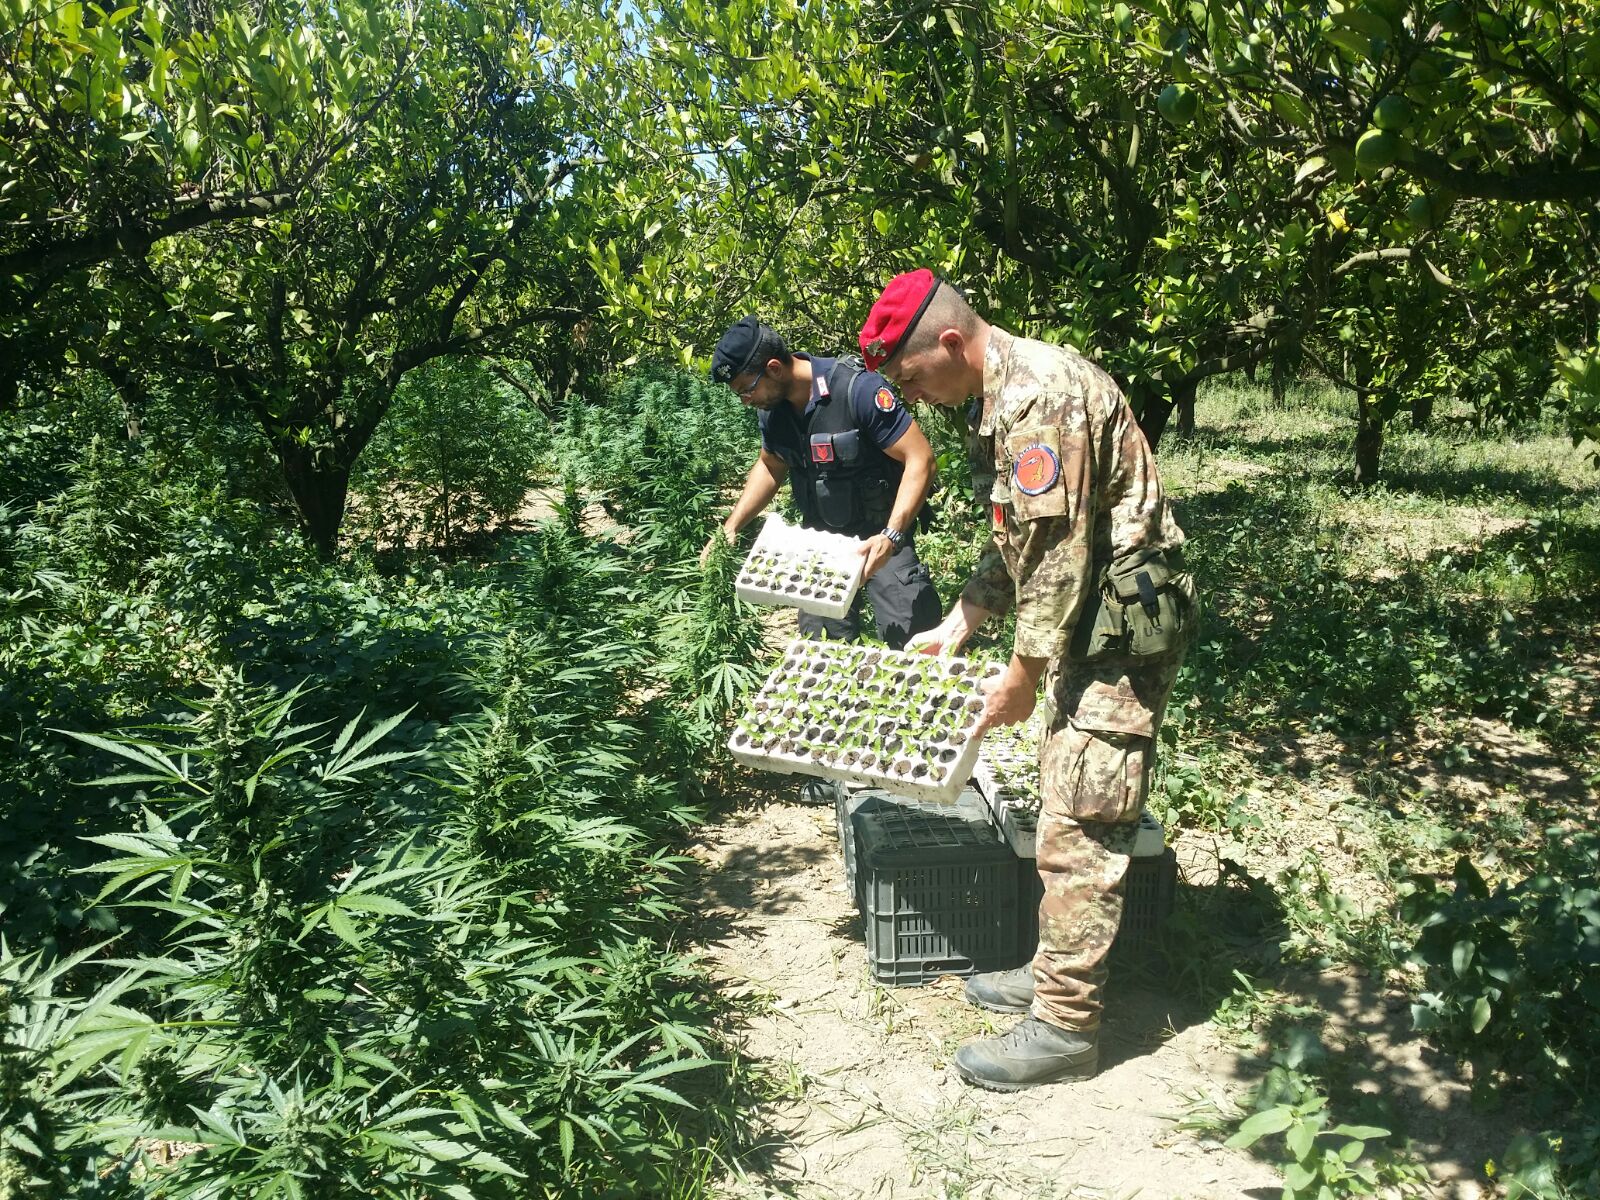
x=1290, y=644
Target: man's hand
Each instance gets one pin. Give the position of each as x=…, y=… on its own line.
x=934, y=641
x=877, y=550
x=945, y=638
x=1010, y=699
x=952, y=634
x=705, y=552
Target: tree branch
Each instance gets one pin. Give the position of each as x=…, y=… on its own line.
x=1391, y=253
x=1372, y=256
x=505, y=375
x=1574, y=184
x=135, y=240
x=460, y=343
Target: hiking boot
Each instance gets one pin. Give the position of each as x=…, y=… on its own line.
x=1034, y=1052
x=1002, y=991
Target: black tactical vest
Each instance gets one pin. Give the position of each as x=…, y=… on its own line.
x=843, y=482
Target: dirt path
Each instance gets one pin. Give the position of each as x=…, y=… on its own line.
x=863, y=1099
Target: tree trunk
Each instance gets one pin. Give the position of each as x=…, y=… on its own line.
x=130, y=391
x=1154, y=407
x=320, y=489
x=1421, y=410
x=10, y=373
x=1369, y=439
x=1183, y=397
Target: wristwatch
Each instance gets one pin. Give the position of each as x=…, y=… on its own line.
x=896, y=538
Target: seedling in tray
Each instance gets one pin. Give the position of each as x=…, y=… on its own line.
x=807, y=569
x=899, y=721
x=1009, y=763
x=1007, y=775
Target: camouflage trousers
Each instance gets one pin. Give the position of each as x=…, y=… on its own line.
x=1094, y=776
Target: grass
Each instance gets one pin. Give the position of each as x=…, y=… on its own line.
x=1447, y=491
x=1391, y=679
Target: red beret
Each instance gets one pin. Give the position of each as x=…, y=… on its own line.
x=895, y=315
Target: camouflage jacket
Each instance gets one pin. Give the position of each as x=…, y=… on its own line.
x=1071, y=483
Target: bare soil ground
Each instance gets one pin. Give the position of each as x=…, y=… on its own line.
x=858, y=1098
x=863, y=1100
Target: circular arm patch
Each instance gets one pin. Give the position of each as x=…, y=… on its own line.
x=1036, y=470
x=884, y=399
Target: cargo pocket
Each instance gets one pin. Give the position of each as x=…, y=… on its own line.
x=1095, y=774
x=906, y=603
x=914, y=575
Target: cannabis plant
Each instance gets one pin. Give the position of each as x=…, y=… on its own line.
x=354, y=1001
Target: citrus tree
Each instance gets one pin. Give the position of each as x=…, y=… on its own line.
x=121, y=127
x=1025, y=149
x=1450, y=154
x=1154, y=183
x=501, y=169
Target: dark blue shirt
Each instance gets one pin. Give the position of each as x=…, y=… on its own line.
x=784, y=429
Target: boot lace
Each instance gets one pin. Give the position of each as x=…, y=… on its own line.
x=1016, y=977
x=1024, y=1032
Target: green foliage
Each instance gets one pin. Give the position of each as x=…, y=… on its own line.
x=113, y=594
x=127, y=126
x=317, y=918
x=1186, y=792
x=1322, y=923
x=104, y=525
x=714, y=644
x=1322, y=1158
x=680, y=445
x=1529, y=1170
x=458, y=448
x=413, y=954
x=1159, y=186
x=1512, y=981
x=417, y=182
x=49, y=1042
x=336, y=962
x=1579, y=372
x=1294, y=637
x=660, y=453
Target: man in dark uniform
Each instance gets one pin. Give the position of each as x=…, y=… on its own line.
x=857, y=462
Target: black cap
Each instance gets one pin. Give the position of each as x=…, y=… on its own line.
x=741, y=348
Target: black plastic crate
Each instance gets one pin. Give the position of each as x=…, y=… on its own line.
x=850, y=804
x=1148, y=890
x=847, y=805
x=937, y=891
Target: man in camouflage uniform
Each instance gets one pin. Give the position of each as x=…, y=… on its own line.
x=1071, y=486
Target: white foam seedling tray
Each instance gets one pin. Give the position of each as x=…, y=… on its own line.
x=809, y=569
x=898, y=721
x=1007, y=776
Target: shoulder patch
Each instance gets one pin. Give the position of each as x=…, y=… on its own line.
x=884, y=400
x=1036, y=470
